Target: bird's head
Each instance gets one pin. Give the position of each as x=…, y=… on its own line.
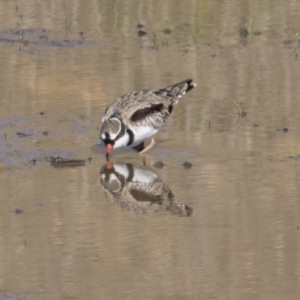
x=111, y=130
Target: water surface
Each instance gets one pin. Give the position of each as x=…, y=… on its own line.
x=227, y=228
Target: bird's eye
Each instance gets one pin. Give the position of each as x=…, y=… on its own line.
x=118, y=136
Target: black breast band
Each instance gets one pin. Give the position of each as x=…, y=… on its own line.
x=131, y=136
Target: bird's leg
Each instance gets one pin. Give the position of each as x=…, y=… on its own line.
x=151, y=145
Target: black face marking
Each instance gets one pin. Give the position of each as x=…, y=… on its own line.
x=109, y=141
x=170, y=108
x=131, y=136
x=146, y=111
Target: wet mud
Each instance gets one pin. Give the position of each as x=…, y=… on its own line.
x=42, y=37
x=23, y=145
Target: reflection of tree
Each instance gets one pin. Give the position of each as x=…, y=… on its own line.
x=139, y=189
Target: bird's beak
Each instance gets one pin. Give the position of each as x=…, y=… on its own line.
x=108, y=149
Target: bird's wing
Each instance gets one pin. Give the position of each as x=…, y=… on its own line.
x=139, y=107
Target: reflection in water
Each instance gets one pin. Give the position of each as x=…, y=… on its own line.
x=139, y=188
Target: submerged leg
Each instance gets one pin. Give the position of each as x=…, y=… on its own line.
x=151, y=145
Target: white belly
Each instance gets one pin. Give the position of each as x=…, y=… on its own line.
x=143, y=132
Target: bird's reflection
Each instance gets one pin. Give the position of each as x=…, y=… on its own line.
x=139, y=188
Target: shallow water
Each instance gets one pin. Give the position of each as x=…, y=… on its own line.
x=226, y=228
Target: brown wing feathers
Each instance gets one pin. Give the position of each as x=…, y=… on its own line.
x=142, y=113
x=160, y=102
x=172, y=92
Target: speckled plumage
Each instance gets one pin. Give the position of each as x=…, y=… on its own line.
x=141, y=114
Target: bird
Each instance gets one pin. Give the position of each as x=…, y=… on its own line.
x=136, y=116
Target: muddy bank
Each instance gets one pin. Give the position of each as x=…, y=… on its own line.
x=29, y=140
x=42, y=37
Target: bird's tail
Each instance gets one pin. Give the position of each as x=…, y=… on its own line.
x=181, y=88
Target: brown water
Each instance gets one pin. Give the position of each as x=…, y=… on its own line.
x=227, y=228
